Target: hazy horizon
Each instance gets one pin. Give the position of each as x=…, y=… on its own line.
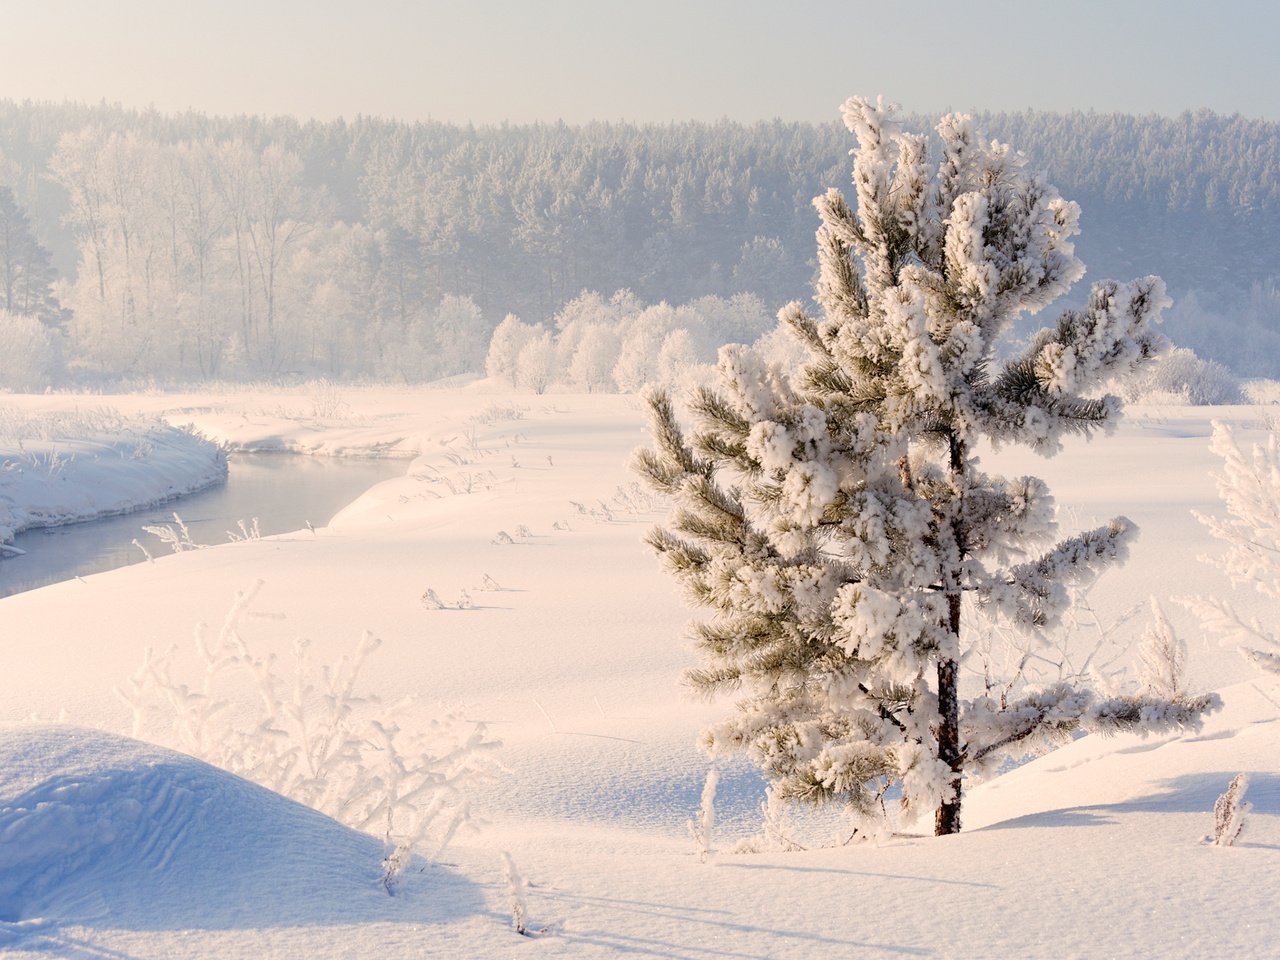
x=659, y=62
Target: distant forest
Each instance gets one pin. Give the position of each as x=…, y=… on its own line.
x=190, y=246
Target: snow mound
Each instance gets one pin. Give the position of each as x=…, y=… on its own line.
x=102, y=830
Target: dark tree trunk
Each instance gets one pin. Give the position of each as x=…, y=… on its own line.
x=947, y=819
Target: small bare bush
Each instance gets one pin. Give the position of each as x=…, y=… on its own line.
x=1262, y=392
x=327, y=402
x=176, y=536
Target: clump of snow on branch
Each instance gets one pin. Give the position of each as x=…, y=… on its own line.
x=307, y=731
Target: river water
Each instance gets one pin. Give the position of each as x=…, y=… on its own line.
x=284, y=491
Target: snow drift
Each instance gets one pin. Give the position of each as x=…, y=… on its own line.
x=102, y=830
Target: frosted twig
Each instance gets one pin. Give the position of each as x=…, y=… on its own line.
x=1229, y=811
x=702, y=826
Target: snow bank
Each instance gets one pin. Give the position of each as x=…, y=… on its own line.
x=101, y=830
x=58, y=468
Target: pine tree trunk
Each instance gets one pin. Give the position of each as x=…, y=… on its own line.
x=947, y=819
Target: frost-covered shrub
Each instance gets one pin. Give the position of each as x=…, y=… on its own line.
x=30, y=354
x=1249, y=486
x=1179, y=376
x=175, y=536
x=18, y=426
x=307, y=732
x=1261, y=392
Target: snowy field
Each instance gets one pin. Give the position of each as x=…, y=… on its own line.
x=505, y=578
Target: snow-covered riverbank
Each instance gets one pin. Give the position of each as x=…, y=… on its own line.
x=71, y=465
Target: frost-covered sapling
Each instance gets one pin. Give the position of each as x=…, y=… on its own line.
x=836, y=520
x=1249, y=486
x=1164, y=656
x=777, y=827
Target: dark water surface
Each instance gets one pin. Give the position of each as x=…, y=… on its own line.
x=284, y=491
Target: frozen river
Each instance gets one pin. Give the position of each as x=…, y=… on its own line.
x=284, y=491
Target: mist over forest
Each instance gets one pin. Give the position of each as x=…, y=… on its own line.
x=186, y=247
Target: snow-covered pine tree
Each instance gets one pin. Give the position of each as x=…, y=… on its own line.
x=836, y=520
x=27, y=273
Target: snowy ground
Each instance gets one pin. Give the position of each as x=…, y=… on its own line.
x=570, y=652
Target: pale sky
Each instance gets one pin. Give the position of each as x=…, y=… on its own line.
x=486, y=61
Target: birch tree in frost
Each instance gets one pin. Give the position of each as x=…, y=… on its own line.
x=836, y=520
